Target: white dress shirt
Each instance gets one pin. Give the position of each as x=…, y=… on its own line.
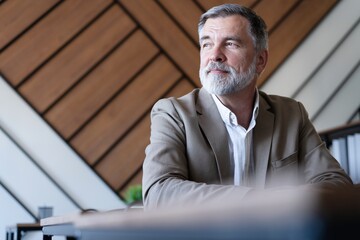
x=239, y=140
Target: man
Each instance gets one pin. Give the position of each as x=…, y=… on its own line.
x=228, y=138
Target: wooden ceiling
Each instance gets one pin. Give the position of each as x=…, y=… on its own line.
x=93, y=69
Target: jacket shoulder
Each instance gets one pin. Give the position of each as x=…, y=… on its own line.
x=276, y=102
x=185, y=103
x=285, y=109
x=276, y=99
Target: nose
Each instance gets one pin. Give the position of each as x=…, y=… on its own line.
x=217, y=55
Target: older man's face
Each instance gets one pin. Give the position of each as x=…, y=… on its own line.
x=228, y=59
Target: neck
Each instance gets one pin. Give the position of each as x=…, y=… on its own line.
x=241, y=104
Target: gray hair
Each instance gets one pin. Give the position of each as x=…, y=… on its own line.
x=257, y=29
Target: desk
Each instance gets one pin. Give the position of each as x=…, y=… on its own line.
x=60, y=226
x=20, y=228
x=279, y=217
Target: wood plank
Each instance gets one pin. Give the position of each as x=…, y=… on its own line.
x=273, y=11
x=292, y=31
x=165, y=32
x=207, y=4
x=112, y=122
x=77, y=107
x=31, y=50
x=17, y=15
x=51, y=81
x=187, y=13
x=126, y=158
x=182, y=88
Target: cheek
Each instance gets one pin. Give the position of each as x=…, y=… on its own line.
x=203, y=60
x=239, y=64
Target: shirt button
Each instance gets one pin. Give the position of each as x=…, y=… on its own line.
x=233, y=119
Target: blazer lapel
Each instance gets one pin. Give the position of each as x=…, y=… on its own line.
x=215, y=132
x=262, y=139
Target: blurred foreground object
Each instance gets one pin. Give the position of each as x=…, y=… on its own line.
x=305, y=213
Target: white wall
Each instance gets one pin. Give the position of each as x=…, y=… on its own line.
x=323, y=73
x=40, y=169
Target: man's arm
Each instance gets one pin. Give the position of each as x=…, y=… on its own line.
x=320, y=167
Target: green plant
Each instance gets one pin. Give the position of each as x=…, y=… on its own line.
x=133, y=194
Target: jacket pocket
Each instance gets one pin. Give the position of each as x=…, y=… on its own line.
x=285, y=161
x=285, y=171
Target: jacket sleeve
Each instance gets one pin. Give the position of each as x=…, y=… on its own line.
x=319, y=166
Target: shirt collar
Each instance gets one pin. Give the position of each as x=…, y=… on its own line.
x=229, y=117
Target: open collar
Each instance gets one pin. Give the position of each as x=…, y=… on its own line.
x=215, y=131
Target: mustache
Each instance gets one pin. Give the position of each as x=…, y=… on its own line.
x=217, y=66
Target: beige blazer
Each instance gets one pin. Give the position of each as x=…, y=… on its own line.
x=188, y=156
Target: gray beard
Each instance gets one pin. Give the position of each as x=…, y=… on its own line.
x=224, y=85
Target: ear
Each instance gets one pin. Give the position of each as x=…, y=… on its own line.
x=262, y=59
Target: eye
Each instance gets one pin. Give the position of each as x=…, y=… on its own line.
x=232, y=45
x=205, y=45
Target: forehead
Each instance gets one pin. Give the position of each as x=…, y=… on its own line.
x=234, y=24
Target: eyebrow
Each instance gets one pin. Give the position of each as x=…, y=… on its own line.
x=233, y=38
x=204, y=38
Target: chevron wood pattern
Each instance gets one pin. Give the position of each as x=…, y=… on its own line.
x=93, y=69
